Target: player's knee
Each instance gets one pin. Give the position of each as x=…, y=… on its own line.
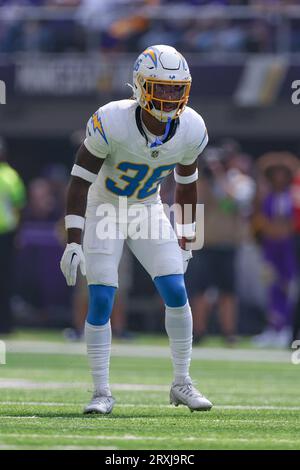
x=101, y=299
x=172, y=289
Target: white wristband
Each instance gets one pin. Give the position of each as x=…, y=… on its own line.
x=186, y=230
x=186, y=179
x=74, y=221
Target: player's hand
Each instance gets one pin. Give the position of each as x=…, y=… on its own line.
x=72, y=257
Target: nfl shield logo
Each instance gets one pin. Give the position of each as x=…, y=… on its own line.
x=154, y=153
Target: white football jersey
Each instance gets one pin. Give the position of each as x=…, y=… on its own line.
x=131, y=168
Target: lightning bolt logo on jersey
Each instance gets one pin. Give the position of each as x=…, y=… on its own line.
x=97, y=125
x=129, y=169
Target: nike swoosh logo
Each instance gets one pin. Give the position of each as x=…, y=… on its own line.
x=74, y=254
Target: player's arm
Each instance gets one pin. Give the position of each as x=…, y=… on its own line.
x=84, y=173
x=186, y=197
x=89, y=160
x=186, y=176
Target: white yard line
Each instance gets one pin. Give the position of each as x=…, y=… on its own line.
x=130, y=350
x=31, y=385
x=17, y=383
x=79, y=446
x=131, y=437
x=258, y=407
x=36, y=403
x=54, y=447
x=147, y=405
x=19, y=417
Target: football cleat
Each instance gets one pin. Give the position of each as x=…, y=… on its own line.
x=100, y=404
x=186, y=394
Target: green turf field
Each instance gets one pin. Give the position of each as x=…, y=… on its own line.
x=257, y=404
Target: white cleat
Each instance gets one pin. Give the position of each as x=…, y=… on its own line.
x=273, y=339
x=265, y=339
x=100, y=404
x=186, y=394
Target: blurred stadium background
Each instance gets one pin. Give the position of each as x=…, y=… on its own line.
x=60, y=61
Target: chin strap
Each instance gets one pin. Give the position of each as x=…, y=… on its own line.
x=130, y=86
x=157, y=141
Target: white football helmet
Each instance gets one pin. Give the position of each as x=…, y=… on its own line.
x=161, y=82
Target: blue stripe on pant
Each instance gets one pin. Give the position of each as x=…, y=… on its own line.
x=101, y=300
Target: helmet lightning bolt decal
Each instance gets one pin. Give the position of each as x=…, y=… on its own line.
x=150, y=53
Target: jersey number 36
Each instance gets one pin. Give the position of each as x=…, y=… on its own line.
x=141, y=183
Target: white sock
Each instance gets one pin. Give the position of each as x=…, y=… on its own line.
x=179, y=326
x=98, y=341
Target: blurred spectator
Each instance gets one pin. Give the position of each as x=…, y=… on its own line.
x=215, y=34
x=12, y=200
x=259, y=37
x=123, y=25
x=114, y=25
x=296, y=202
x=42, y=296
x=274, y=223
x=41, y=205
x=248, y=264
x=223, y=190
x=57, y=176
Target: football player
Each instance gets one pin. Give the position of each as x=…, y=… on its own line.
x=130, y=146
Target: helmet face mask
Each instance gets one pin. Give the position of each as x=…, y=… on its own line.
x=162, y=82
